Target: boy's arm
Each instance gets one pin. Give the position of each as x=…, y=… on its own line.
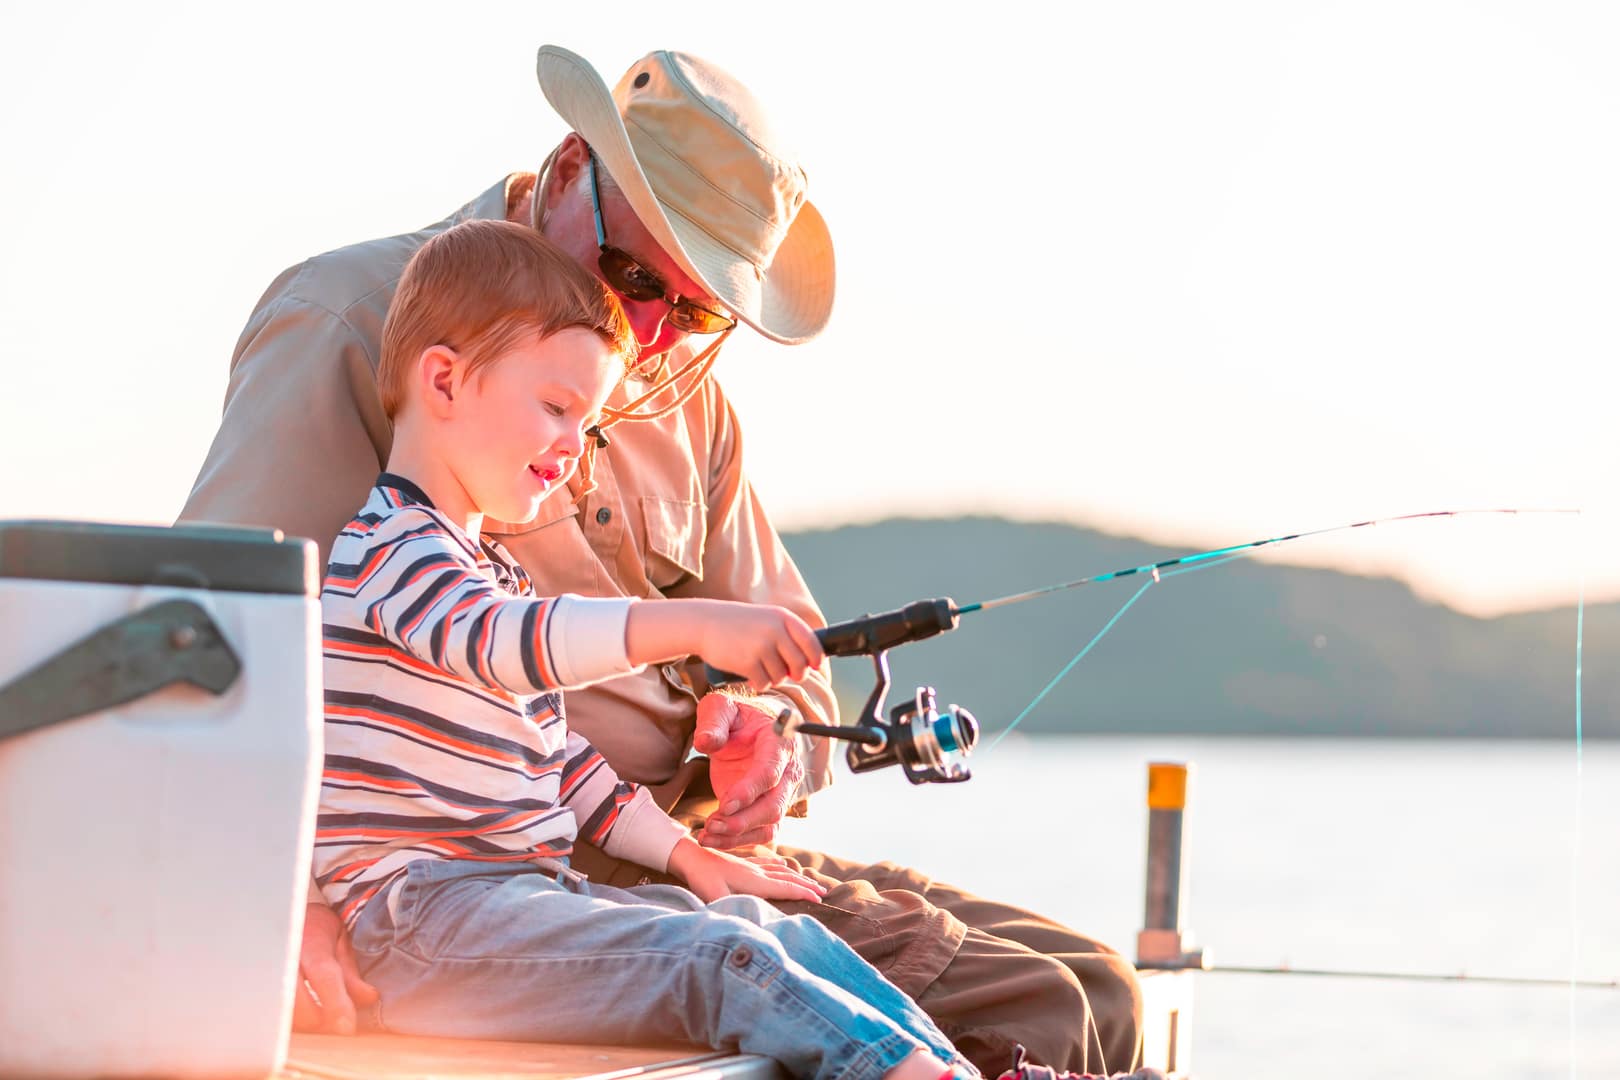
x=623, y=820
x=416, y=585
x=618, y=817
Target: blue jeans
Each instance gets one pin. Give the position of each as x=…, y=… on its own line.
x=471, y=950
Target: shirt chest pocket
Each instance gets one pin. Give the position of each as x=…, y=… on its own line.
x=674, y=540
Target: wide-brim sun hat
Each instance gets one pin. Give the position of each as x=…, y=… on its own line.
x=696, y=157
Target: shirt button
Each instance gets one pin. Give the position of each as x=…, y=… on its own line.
x=741, y=955
x=603, y=516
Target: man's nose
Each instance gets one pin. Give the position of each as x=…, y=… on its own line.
x=647, y=321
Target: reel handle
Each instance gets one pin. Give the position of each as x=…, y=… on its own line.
x=869, y=635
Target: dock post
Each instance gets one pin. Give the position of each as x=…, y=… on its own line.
x=1165, y=958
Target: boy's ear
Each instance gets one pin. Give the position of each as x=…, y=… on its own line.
x=438, y=373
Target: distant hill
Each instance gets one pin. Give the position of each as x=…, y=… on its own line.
x=1246, y=648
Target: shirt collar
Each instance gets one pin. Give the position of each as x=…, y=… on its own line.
x=491, y=205
x=409, y=494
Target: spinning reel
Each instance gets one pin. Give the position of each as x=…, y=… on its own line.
x=929, y=745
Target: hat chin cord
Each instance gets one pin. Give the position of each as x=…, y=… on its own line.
x=699, y=367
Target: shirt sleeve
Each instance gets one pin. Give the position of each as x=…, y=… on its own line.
x=745, y=559
x=416, y=586
x=303, y=434
x=616, y=816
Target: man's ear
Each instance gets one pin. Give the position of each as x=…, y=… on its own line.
x=567, y=163
x=438, y=375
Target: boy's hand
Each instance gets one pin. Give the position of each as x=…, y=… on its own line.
x=765, y=645
x=713, y=874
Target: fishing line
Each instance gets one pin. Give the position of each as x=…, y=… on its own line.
x=1401, y=976
x=1204, y=560
x=1157, y=576
x=1079, y=656
x=1575, y=849
x=1208, y=560
x=1204, y=556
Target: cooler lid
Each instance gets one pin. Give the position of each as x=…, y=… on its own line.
x=221, y=558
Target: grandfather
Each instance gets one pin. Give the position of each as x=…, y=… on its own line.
x=676, y=192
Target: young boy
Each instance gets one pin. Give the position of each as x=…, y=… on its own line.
x=453, y=789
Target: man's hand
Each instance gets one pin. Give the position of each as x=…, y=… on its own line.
x=329, y=982
x=713, y=874
x=754, y=771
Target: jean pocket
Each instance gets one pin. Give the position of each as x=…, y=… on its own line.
x=413, y=898
x=377, y=927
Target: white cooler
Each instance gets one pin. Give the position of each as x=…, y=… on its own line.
x=160, y=708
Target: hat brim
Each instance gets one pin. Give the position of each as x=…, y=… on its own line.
x=789, y=301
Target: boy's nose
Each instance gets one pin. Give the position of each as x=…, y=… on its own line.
x=572, y=444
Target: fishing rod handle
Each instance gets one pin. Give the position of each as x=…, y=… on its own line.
x=872, y=634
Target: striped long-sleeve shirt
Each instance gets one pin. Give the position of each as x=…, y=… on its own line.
x=445, y=734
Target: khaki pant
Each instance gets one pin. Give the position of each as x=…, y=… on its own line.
x=989, y=974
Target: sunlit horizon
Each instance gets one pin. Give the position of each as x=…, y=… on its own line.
x=1189, y=275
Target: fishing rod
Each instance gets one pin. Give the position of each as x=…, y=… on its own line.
x=1153, y=569
x=932, y=744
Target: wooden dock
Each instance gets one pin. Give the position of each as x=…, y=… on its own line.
x=411, y=1057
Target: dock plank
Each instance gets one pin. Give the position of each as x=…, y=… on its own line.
x=412, y=1057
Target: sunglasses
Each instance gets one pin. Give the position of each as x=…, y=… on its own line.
x=633, y=281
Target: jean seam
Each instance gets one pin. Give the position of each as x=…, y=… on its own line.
x=409, y=949
x=404, y=938
x=859, y=1060
x=870, y=1060
x=874, y=1060
x=860, y=1050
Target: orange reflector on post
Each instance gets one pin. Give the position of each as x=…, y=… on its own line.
x=1167, y=785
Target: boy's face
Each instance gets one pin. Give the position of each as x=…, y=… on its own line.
x=519, y=425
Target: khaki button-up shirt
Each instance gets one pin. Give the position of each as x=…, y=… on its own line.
x=304, y=436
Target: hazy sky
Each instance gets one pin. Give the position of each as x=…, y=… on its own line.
x=1197, y=272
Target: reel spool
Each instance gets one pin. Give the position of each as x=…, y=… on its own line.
x=930, y=746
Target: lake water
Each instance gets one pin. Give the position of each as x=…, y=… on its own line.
x=1375, y=855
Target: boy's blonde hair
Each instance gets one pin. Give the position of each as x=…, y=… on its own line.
x=477, y=288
